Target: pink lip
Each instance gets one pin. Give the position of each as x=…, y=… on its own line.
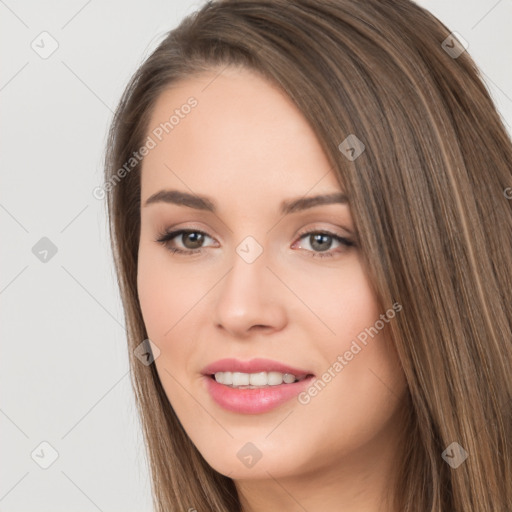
x=253, y=401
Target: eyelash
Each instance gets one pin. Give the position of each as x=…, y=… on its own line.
x=168, y=236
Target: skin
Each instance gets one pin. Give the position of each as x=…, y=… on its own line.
x=248, y=147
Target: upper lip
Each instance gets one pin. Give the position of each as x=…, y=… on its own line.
x=252, y=366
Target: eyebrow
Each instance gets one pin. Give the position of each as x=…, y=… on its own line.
x=199, y=202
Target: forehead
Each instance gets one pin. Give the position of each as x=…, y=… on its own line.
x=241, y=134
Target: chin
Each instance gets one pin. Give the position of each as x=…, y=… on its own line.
x=247, y=464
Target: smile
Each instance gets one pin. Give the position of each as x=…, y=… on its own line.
x=242, y=380
x=255, y=386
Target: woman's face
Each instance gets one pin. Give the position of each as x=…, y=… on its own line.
x=261, y=274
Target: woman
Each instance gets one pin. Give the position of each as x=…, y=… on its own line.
x=310, y=215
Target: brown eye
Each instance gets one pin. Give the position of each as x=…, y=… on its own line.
x=191, y=240
x=194, y=238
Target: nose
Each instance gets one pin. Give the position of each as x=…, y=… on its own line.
x=250, y=299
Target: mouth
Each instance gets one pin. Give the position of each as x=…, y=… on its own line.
x=242, y=380
x=253, y=387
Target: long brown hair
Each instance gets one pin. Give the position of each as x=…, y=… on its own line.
x=428, y=195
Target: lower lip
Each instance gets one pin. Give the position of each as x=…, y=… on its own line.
x=254, y=401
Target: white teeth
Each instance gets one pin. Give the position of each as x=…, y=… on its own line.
x=240, y=379
x=274, y=378
x=260, y=379
x=288, y=378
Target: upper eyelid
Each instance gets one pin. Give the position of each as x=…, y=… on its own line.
x=348, y=233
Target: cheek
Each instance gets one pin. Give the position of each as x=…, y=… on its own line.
x=166, y=293
x=353, y=341
x=154, y=295
x=362, y=335
x=171, y=305
x=341, y=300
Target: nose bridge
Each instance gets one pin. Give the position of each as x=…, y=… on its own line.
x=249, y=273
x=247, y=297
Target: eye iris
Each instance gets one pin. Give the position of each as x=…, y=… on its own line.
x=197, y=239
x=319, y=238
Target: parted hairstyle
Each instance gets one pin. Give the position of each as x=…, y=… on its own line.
x=430, y=197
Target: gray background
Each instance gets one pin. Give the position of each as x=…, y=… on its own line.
x=64, y=367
